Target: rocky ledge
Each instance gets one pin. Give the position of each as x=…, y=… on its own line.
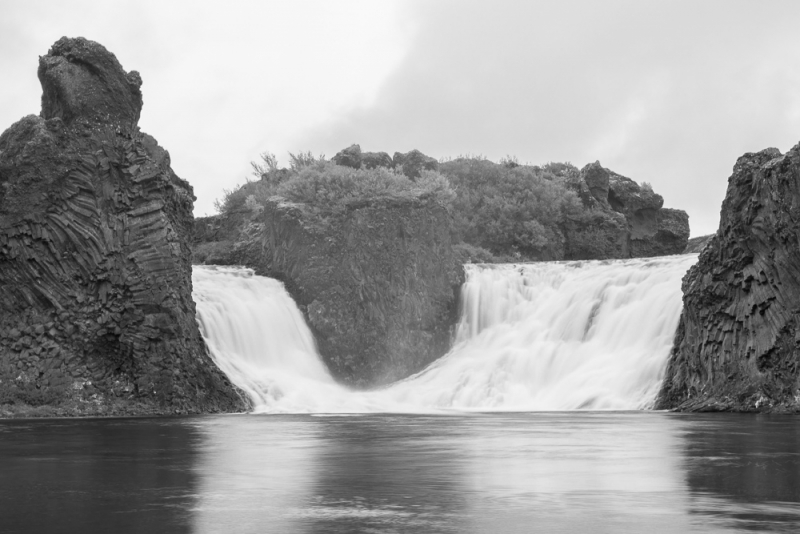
x=96, y=313
x=737, y=347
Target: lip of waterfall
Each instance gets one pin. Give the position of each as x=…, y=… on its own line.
x=590, y=335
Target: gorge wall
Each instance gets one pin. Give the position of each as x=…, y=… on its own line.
x=377, y=282
x=738, y=341
x=96, y=314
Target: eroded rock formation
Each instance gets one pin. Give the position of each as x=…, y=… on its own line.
x=378, y=282
x=738, y=343
x=96, y=314
x=644, y=229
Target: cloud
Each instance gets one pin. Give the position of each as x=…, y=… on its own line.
x=665, y=92
x=223, y=81
x=669, y=92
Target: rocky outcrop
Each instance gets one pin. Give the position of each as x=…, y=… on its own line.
x=649, y=229
x=96, y=314
x=738, y=342
x=377, y=282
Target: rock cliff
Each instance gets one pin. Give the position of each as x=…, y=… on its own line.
x=377, y=282
x=738, y=342
x=96, y=314
x=624, y=219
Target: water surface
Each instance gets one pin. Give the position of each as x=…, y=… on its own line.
x=478, y=473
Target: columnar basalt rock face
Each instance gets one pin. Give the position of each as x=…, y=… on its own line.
x=96, y=314
x=738, y=341
x=378, y=282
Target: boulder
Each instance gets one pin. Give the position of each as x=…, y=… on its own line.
x=738, y=341
x=96, y=313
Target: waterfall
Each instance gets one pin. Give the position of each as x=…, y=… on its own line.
x=541, y=336
x=258, y=337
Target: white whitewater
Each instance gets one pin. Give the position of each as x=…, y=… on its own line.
x=544, y=336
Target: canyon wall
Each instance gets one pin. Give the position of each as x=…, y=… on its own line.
x=378, y=282
x=96, y=314
x=738, y=342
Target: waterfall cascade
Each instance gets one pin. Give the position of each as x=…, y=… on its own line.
x=541, y=336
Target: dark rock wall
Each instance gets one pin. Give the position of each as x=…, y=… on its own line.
x=738, y=342
x=623, y=219
x=95, y=266
x=378, y=283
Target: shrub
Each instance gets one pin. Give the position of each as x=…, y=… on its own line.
x=331, y=185
x=508, y=210
x=304, y=159
x=467, y=253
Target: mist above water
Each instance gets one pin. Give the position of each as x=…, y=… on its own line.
x=545, y=336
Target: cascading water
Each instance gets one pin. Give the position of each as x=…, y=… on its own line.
x=258, y=337
x=541, y=336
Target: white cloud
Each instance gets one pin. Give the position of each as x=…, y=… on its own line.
x=670, y=92
x=223, y=81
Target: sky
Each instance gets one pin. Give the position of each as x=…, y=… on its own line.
x=667, y=92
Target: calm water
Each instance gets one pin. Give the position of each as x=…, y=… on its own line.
x=544, y=472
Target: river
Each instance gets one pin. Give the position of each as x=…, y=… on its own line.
x=547, y=472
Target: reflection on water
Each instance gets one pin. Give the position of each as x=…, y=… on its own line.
x=120, y=476
x=753, y=461
x=542, y=472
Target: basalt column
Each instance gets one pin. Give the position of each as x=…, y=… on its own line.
x=96, y=313
x=738, y=342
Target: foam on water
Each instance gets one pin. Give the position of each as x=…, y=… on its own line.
x=542, y=336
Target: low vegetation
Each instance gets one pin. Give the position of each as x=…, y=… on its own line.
x=501, y=211
x=326, y=186
x=508, y=208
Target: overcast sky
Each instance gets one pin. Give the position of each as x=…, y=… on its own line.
x=665, y=92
